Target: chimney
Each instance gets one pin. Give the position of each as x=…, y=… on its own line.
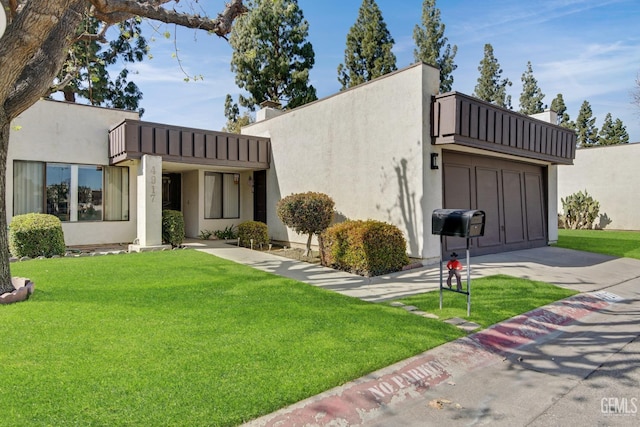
x=548, y=116
x=268, y=110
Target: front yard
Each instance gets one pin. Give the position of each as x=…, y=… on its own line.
x=185, y=338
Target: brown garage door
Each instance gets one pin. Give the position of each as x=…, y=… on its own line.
x=512, y=194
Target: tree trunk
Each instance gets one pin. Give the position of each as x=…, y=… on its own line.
x=308, y=251
x=5, y=272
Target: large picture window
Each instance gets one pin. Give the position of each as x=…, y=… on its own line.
x=221, y=195
x=71, y=192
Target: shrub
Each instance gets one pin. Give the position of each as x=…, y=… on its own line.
x=205, y=234
x=255, y=230
x=306, y=213
x=368, y=248
x=35, y=235
x=172, y=227
x=580, y=210
x=228, y=233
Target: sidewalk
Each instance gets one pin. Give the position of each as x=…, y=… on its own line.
x=573, y=362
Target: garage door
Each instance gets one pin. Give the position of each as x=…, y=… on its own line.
x=512, y=194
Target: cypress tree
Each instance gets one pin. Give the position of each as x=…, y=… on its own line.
x=531, y=96
x=368, y=53
x=491, y=87
x=271, y=57
x=432, y=47
x=560, y=108
x=585, y=127
x=612, y=133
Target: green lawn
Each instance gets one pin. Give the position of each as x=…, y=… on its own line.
x=184, y=338
x=493, y=299
x=616, y=243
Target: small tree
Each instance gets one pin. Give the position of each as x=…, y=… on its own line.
x=307, y=213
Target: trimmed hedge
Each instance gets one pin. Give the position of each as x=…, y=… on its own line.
x=35, y=235
x=172, y=227
x=367, y=248
x=255, y=230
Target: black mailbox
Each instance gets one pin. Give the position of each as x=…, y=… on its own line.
x=457, y=222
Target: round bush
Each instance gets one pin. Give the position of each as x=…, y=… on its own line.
x=255, y=230
x=368, y=248
x=35, y=235
x=172, y=227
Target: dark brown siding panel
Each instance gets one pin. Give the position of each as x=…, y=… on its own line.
x=198, y=146
x=253, y=150
x=146, y=139
x=174, y=142
x=491, y=125
x=210, y=146
x=474, y=125
x=161, y=141
x=187, y=144
x=132, y=138
x=222, y=148
x=263, y=156
x=243, y=150
x=465, y=118
x=232, y=143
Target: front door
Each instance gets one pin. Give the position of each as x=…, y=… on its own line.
x=172, y=191
x=260, y=196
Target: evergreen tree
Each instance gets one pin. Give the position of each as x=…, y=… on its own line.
x=585, y=127
x=368, y=53
x=560, y=108
x=85, y=75
x=531, y=96
x=432, y=47
x=235, y=121
x=271, y=57
x=491, y=87
x=613, y=133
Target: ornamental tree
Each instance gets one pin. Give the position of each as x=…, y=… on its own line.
x=432, y=47
x=368, y=53
x=35, y=45
x=271, y=55
x=491, y=86
x=531, y=96
x=306, y=213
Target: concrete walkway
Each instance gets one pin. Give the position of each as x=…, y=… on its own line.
x=573, y=362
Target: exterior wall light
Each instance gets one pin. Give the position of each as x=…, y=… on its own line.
x=434, y=161
x=236, y=178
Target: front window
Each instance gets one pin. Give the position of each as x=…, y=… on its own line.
x=71, y=192
x=222, y=195
x=58, y=185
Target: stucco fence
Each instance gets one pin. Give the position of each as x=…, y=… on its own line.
x=611, y=175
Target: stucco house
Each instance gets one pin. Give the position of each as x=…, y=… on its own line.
x=392, y=149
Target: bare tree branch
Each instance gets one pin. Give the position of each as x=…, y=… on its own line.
x=113, y=11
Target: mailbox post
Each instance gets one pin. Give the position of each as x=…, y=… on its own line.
x=457, y=223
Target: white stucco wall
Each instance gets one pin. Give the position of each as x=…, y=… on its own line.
x=609, y=174
x=54, y=131
x=368, y=148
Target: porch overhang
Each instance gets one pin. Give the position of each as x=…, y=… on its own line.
x=131, y=139
x=463, y=120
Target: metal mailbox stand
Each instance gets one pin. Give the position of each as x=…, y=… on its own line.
x=458, y=223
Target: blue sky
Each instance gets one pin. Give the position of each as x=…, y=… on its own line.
x=584, y=49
